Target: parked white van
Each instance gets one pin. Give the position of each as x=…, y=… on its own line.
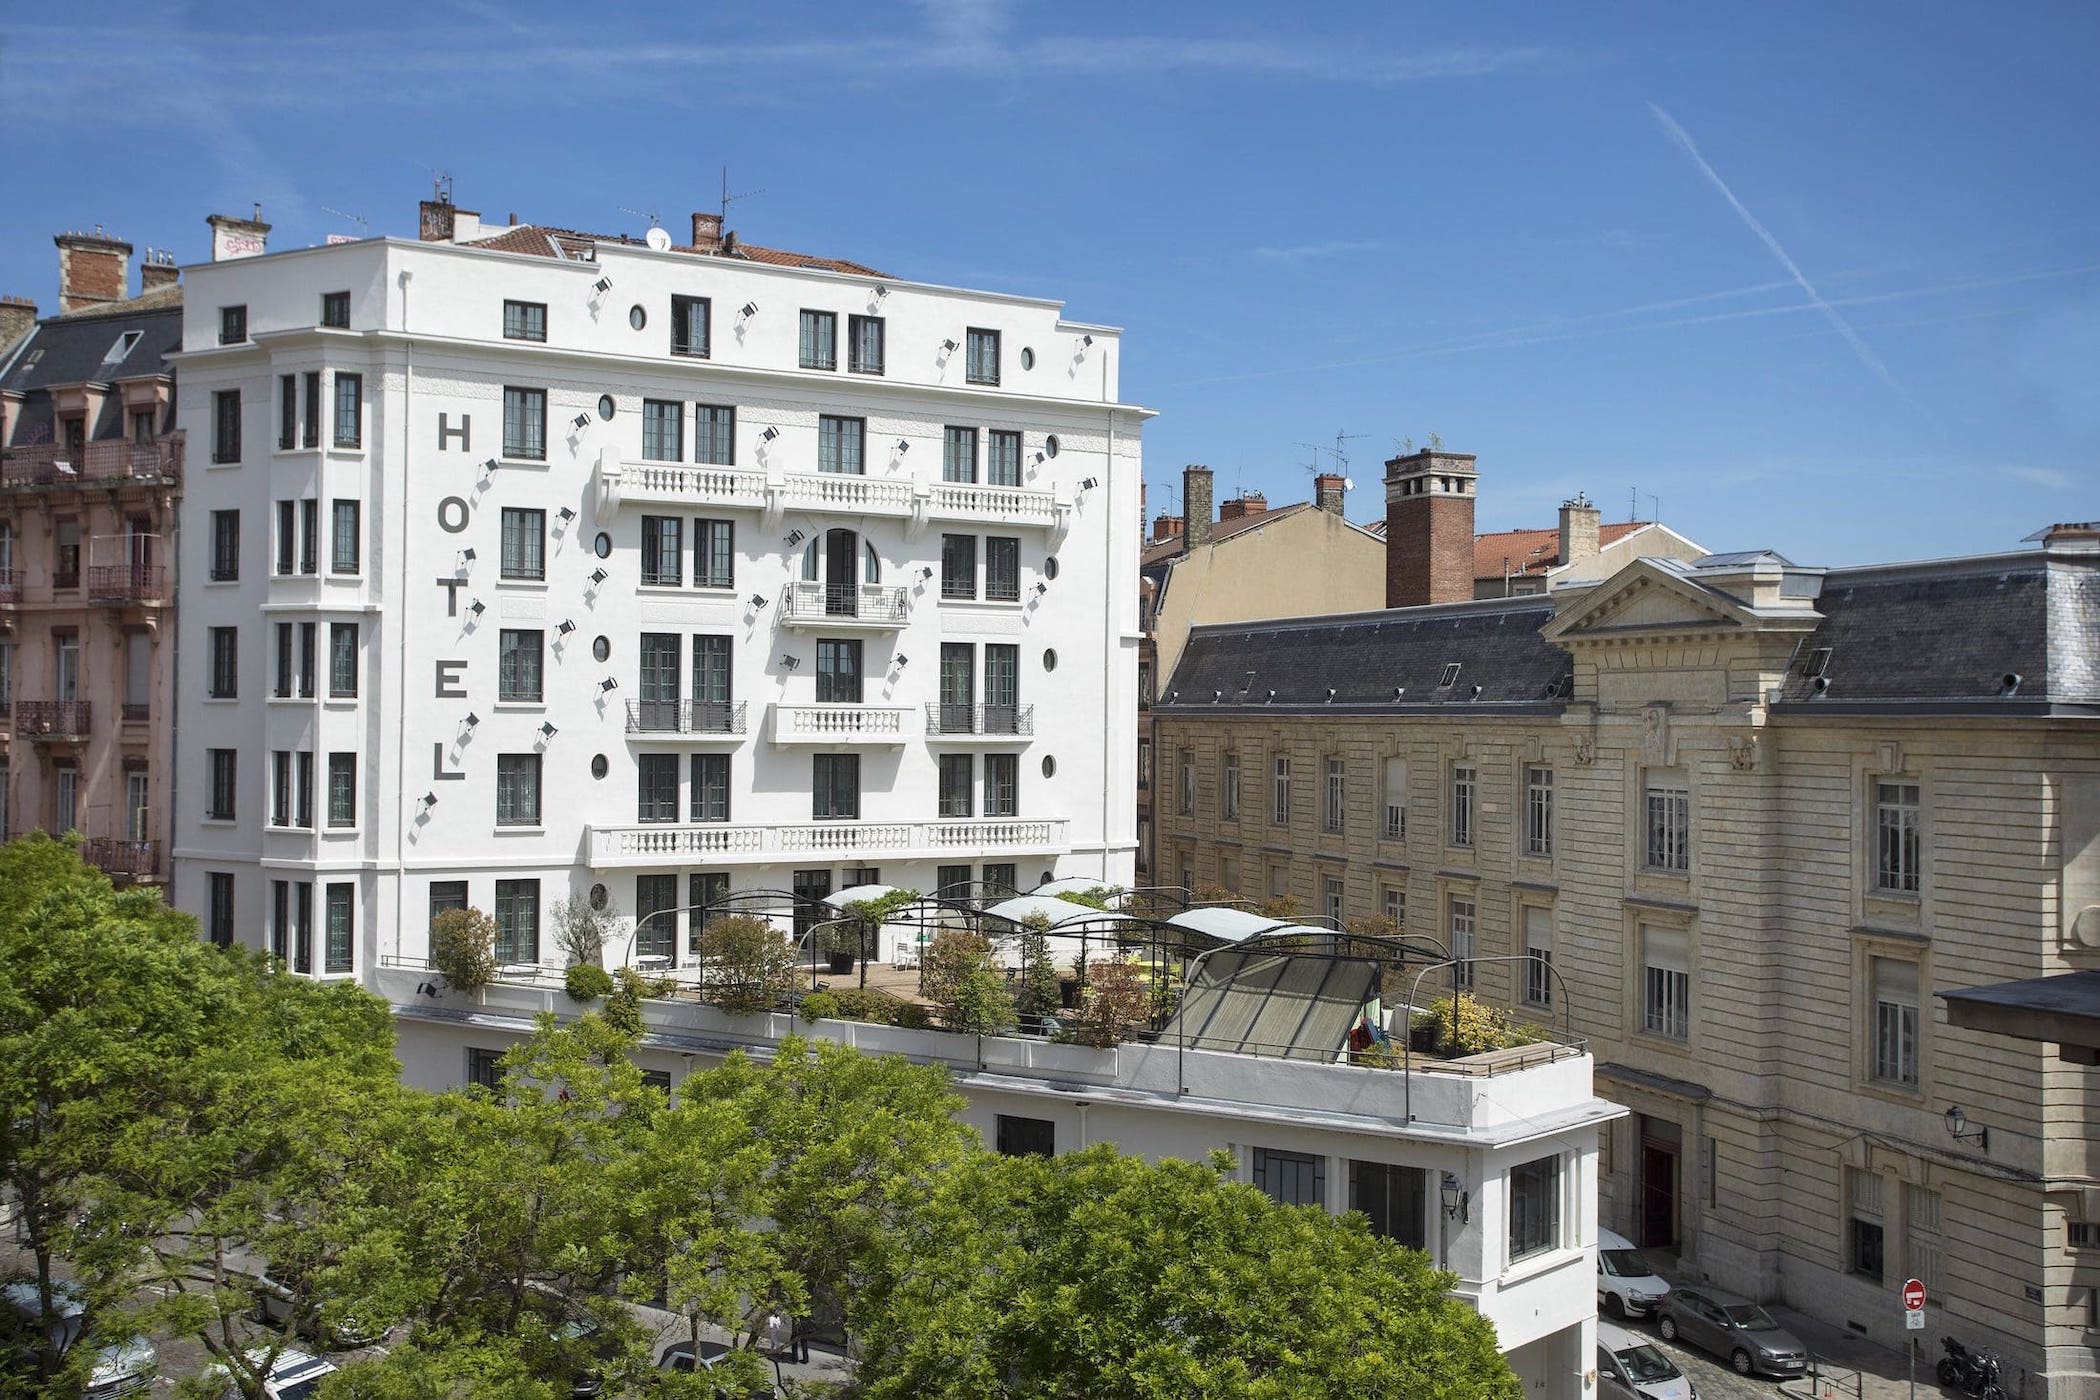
x=1630, y=1367
x=1626, y=1286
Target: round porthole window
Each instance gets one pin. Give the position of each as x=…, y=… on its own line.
x=601, y=648
x=1049, y=658
x=599, y=767
x=1050, y=445
x=637, y=317
x=602, y=545
x=599, y=894
x=1049, y=766
x=1050, y=567
x=605, y=407
x=1027, y=358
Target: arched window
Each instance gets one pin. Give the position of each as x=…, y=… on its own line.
x=809, y=560
x=871, y=566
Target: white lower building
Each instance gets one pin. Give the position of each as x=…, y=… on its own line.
x=522, y=564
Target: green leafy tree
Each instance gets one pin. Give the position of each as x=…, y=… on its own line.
x=750, y=967
x=580, y=928
x=1038, y=995
x=965, y=985
x=1116, y=1002
x=463, y=948
x=1100, y=1274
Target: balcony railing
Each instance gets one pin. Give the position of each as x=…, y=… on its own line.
x=811, y=604
x=685, y=717
x=642, y=482
x=1010, y=721
x=622, y=846
x=10, y=586
x=139, y=860
x=1010, y=505
x=114, y=460
x=127, y=583
x=842, y=724
x=53, y=719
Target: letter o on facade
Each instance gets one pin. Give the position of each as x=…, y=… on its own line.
x=448, y=508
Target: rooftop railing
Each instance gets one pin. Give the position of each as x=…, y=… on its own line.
x=109, y=461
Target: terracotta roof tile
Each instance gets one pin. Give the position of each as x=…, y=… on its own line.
x=1223, y=530
x=1534, y=551
x=541, y=241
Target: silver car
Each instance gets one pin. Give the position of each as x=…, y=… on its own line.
x=120, y=1368
x=1732, y=1327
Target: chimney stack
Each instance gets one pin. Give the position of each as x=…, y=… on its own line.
x=1195, y=504
x=434, y=221
x=1165, y=527
x=93, y=270
x=1429, y=528
x=17, y=319
x=158, y=270
x=1245, y=504
x=707, y=231
x=238, y=238
x=1578, y=530
x=1328, y=490
x=2064, y=537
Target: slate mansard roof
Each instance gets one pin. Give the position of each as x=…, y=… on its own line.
x=1392, y=660
x=89, y=347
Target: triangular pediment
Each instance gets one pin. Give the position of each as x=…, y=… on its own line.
x=1643, y=597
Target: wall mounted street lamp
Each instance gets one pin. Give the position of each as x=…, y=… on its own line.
x=490, y=465
x=758, y=600
x=580, y=422
x=1089, y=484
x=608, y=685
x=769, y=434
x=1456, y=1200
x=903, y=446
x=567, y=513
x=949, y=346
x=602, y=285
x=472, y=719
x=791, y=662
x=564, y=627
x=430, y=799
x=477, y=607
x=547, y=729
x=748, y=310
x=466, y=556
x=599, y=576
x=1958, y=1128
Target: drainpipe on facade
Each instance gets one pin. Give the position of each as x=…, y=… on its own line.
x=1108, y=619
x=408, y=388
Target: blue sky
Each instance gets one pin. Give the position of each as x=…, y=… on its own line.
x=1818, y=278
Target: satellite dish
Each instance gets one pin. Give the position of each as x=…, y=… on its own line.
x=1348, y=484
x=659, y=240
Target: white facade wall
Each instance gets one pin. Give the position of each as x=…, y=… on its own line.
x=426, y=334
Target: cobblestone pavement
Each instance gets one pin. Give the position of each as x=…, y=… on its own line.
x=1850, y=1367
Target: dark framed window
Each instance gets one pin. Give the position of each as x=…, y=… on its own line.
x=1291, y=1178
x=342, y=789
x=308, y=641
x=225, y=663
x=342, y=660
x=1002, y=569
x=233, y=325
x=656, y=787
x=958, y=687
x=524, y=543
x=1025, y=1137
x=655, y=926
x=819, y=348
x=983, y=364
x=286, y=661
x=864, y=344
x=525, y=423
x=287, y=537
x=485, y=1069
x=226, y=426
x=310, y=409
x=219, y=902
x=304, y=762
x=338, y=908
x=1003, y=459
x=280, y=787
x=349, y=410
x=714, y=554
x=517, y=921
x=517, y=789
x=959, y=566
x=520, y=653
x=958, y=783
x=309, y=537
x=835, y=787
x=225, y=546
x=1002, y=687
x=346, y=539
x=1534, y=1208
x=335, y=310
x=663, y=550
x=658, y=653
x=808, y=886
x=287, y=411
x=689, y=326
x=959, y=454
x=524, y=320
x=838, y=671
x=1002, y=784
x=711, y=669
x=703, y=890
x=951, y=881
x=999, y=878
x=710, y=787
x=663, y=430
x=714, y=435
x=840, y=443
x=446, y=894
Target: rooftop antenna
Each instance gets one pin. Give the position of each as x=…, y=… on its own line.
x=656, y=237
x=1655, y=503
x=440, y=185
x=1312, y=468
x=1341, y=457
x=649, y=214
x=729, y=199
x=1633, y=503
x=363, y=226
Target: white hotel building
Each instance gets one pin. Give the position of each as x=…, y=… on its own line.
x=520, y=562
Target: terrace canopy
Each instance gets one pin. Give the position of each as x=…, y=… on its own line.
x=1279, y=1005
x=1229, y=925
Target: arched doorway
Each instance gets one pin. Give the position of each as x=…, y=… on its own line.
x=842, y=561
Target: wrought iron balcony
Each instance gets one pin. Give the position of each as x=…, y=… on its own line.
x=866, y=605
x=53, y=719
x=985, y=721
x=127, y=583
x=10, y=586
x=700, y=718
x=136, y=860
x=616, y=847
x=840, y=725
x=109, y=462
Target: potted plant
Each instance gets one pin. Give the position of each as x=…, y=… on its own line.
x=1037, y=996
x=463, y=948
x=857, y=935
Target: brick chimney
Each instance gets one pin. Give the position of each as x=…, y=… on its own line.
x=238, y=238
x=2064, y=537
x=1429, y=528
x=93, y=270
x=1195, y=504
x=707, y=232
x=434, y=221
x=1328, y=490
x=17, y=319
x=1578, y=530
x=1245, y=504
x=1165, y=527
x=158, y=270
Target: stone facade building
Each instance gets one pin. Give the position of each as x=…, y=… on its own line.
x=1753, y=815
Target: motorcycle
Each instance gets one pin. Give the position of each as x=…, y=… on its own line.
x=1973, y=1373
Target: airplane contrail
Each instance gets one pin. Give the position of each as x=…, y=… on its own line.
x=1843, y=327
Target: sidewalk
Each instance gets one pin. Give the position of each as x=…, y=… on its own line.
x=1882, y=1374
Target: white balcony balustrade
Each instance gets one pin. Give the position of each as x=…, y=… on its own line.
x=836, y=726
x=726, y=843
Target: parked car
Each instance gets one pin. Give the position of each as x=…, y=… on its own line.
x=293, y=1375
x=1630, y=1367
x=120, y=1368
x=1732, y=1327
x=274, y=1305
x=689, y=1357
x=578, y=1346
x=1626, y=1285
